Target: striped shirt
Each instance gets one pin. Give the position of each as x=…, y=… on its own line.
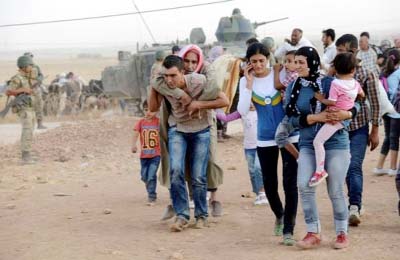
x=369, y=58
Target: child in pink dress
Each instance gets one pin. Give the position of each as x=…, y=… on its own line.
x=343, y=92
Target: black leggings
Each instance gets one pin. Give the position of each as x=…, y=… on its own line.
x=268, y=157
x=392, y=134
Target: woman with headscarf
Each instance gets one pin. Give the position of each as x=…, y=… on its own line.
x=257, y=86
x=306, y=113
x=193, y=59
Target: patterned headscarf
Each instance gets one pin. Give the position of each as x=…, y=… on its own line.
x=313, y=63
x=195, y=49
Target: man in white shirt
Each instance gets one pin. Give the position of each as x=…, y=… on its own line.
x=296, y=42
x=328, y=40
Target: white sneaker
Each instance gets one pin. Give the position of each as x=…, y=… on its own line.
x=392, y=172
x=261, y=199
x=354, y=216
x=380, y=171
x=191, y=204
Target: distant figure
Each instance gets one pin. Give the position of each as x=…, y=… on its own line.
x=367, y=55
x=157, y=66
x=148, y=129
x=270, y=44
x=328, y=40
x=175, y=50
x=251, y=41
x=36, y=80
x=214, y=53
x=20, y=87
x=296, y=42
x=397, y=42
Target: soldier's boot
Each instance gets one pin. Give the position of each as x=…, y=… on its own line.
x=40, y=124
x=27, y=158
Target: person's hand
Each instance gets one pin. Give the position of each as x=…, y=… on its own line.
x=193, y=107
x=28, y=91
x=249, y=75
x=277, y=67
x=331, y=71
x=185, y=99
x=134, y=149
x=336, y=115
x=373, y=139
x=318, y=118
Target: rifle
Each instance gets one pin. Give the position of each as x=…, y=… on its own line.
x=19, y=102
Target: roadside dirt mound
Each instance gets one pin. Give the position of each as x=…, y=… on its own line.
x=79, y=140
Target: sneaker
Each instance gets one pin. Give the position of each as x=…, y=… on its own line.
x=354, y=216
x=311, y=240
x=179, y=225
x=317, y=178
x=169, y=213
x=341, y=241
x=261, y=199
x=392, y=172
x=278, y=229
x=201, y=222
x=151, y=201
x=380, y=171
x=191, y=204
x=288, y=240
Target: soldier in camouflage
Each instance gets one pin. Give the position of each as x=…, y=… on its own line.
x=36, y=80
x=20, y=87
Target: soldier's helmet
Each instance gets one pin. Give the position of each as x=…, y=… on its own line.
x=268, y=42
x=24, y=61
x=160, y=55
x=28, y=54
x=236, y=11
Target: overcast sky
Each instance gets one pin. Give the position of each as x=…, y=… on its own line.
x=312, y=16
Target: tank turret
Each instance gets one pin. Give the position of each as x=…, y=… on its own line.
x=237, y=28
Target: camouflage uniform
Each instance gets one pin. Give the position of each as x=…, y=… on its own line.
x=25, y=113
x=35, y=80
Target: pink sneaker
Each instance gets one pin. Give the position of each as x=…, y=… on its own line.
x=317, y=178
x=342, y=241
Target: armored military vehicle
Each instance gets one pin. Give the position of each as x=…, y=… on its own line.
x=130, y=78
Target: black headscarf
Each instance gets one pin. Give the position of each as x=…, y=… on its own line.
x=313, y=63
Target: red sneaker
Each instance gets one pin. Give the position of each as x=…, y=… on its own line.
x=311, y=240
x=317, y=178
x=342, y=241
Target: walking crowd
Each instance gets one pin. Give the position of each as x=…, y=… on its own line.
x=319, y=113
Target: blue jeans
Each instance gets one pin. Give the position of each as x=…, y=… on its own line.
x=253, y=163
x=354, y=179
x=196, y=145
x=336, y=164
x=149, y=167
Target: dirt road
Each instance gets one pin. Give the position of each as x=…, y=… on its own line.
x=56, y=209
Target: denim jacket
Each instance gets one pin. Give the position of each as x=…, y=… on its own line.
x=340, y=140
